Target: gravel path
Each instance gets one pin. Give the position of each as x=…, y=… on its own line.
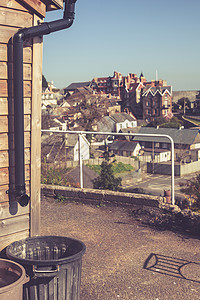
x=124, y=259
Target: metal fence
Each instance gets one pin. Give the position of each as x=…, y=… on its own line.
x=83, y=133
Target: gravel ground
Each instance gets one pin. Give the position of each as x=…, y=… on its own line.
x=124, y=258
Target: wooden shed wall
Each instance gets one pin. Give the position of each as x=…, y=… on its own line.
x=17, y=222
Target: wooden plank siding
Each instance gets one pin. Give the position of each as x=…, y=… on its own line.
x=36, y=134
x=14, y=18
x=5, y=162
x=15, y=220
x=6, y=172
x=11, y=211
x=7, y=239
x=27, y=54
x=4, y=123
x=4, y=142
x=6, y=88
x=4, y=104
x=7, y=69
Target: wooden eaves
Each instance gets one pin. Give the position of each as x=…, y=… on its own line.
x=41, y=6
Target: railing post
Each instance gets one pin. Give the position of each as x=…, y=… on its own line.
x=80, y=162
x=172, y=178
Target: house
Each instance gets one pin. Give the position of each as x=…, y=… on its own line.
x=62, y=147
x=157, y=101
x=186, y=142
x=72, y=146
x=125, y=148
x=75, y=85
x=156, y=155
x=53, y=122
x=123, y=120
x=113, y=85
x=106, y=124
x=113, y=106
x=132, y=99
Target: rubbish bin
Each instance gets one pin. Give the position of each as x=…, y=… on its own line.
x=53, y=264
x=167, y=195
x=12, y=278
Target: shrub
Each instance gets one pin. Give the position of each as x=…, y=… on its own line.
x=191, y=189
x=55, y=176
x=106, y=180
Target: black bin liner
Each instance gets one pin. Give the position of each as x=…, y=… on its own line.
x=54, y=265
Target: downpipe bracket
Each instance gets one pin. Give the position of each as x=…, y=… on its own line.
x=20, y=196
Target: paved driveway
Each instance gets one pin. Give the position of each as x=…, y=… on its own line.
x=155, y=184
x=124, y=259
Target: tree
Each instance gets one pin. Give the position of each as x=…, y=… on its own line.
x=90, y=114
x=44, y=82
x=184, y=103
x=191, y=189
x=106, y=180
x=163, y=122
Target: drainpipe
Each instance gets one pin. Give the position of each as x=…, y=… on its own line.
x=18, y=40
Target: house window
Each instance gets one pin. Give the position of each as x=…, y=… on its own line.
x=120, y=126
x=126, y=125
x=164, y=145
x=148, y=112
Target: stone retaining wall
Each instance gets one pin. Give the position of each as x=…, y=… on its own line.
x=91, y=196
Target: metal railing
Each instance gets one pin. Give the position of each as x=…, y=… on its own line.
x=120, y=134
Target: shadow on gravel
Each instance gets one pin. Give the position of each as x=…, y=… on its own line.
x=174, y=267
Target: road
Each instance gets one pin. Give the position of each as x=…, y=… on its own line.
x=155, y=184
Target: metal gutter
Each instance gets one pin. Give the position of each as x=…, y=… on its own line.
x=18, y=40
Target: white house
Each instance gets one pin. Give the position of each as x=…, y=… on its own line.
x=125, y=148
x=123, y=120
x=72, y=145
x=160, y=155
x=62, y=147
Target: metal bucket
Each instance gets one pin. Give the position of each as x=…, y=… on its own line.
x=53, y=264
x=12, y=278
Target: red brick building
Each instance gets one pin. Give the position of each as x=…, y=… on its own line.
x=156, y=100
x=146, y=100
x=114, y=85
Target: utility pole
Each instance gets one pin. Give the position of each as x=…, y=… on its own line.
x=153, y=158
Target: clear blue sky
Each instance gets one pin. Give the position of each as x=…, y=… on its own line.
x=127, y=36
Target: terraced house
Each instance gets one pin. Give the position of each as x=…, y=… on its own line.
x=157, y=101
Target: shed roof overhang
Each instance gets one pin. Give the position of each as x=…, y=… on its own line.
x=41, y=6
